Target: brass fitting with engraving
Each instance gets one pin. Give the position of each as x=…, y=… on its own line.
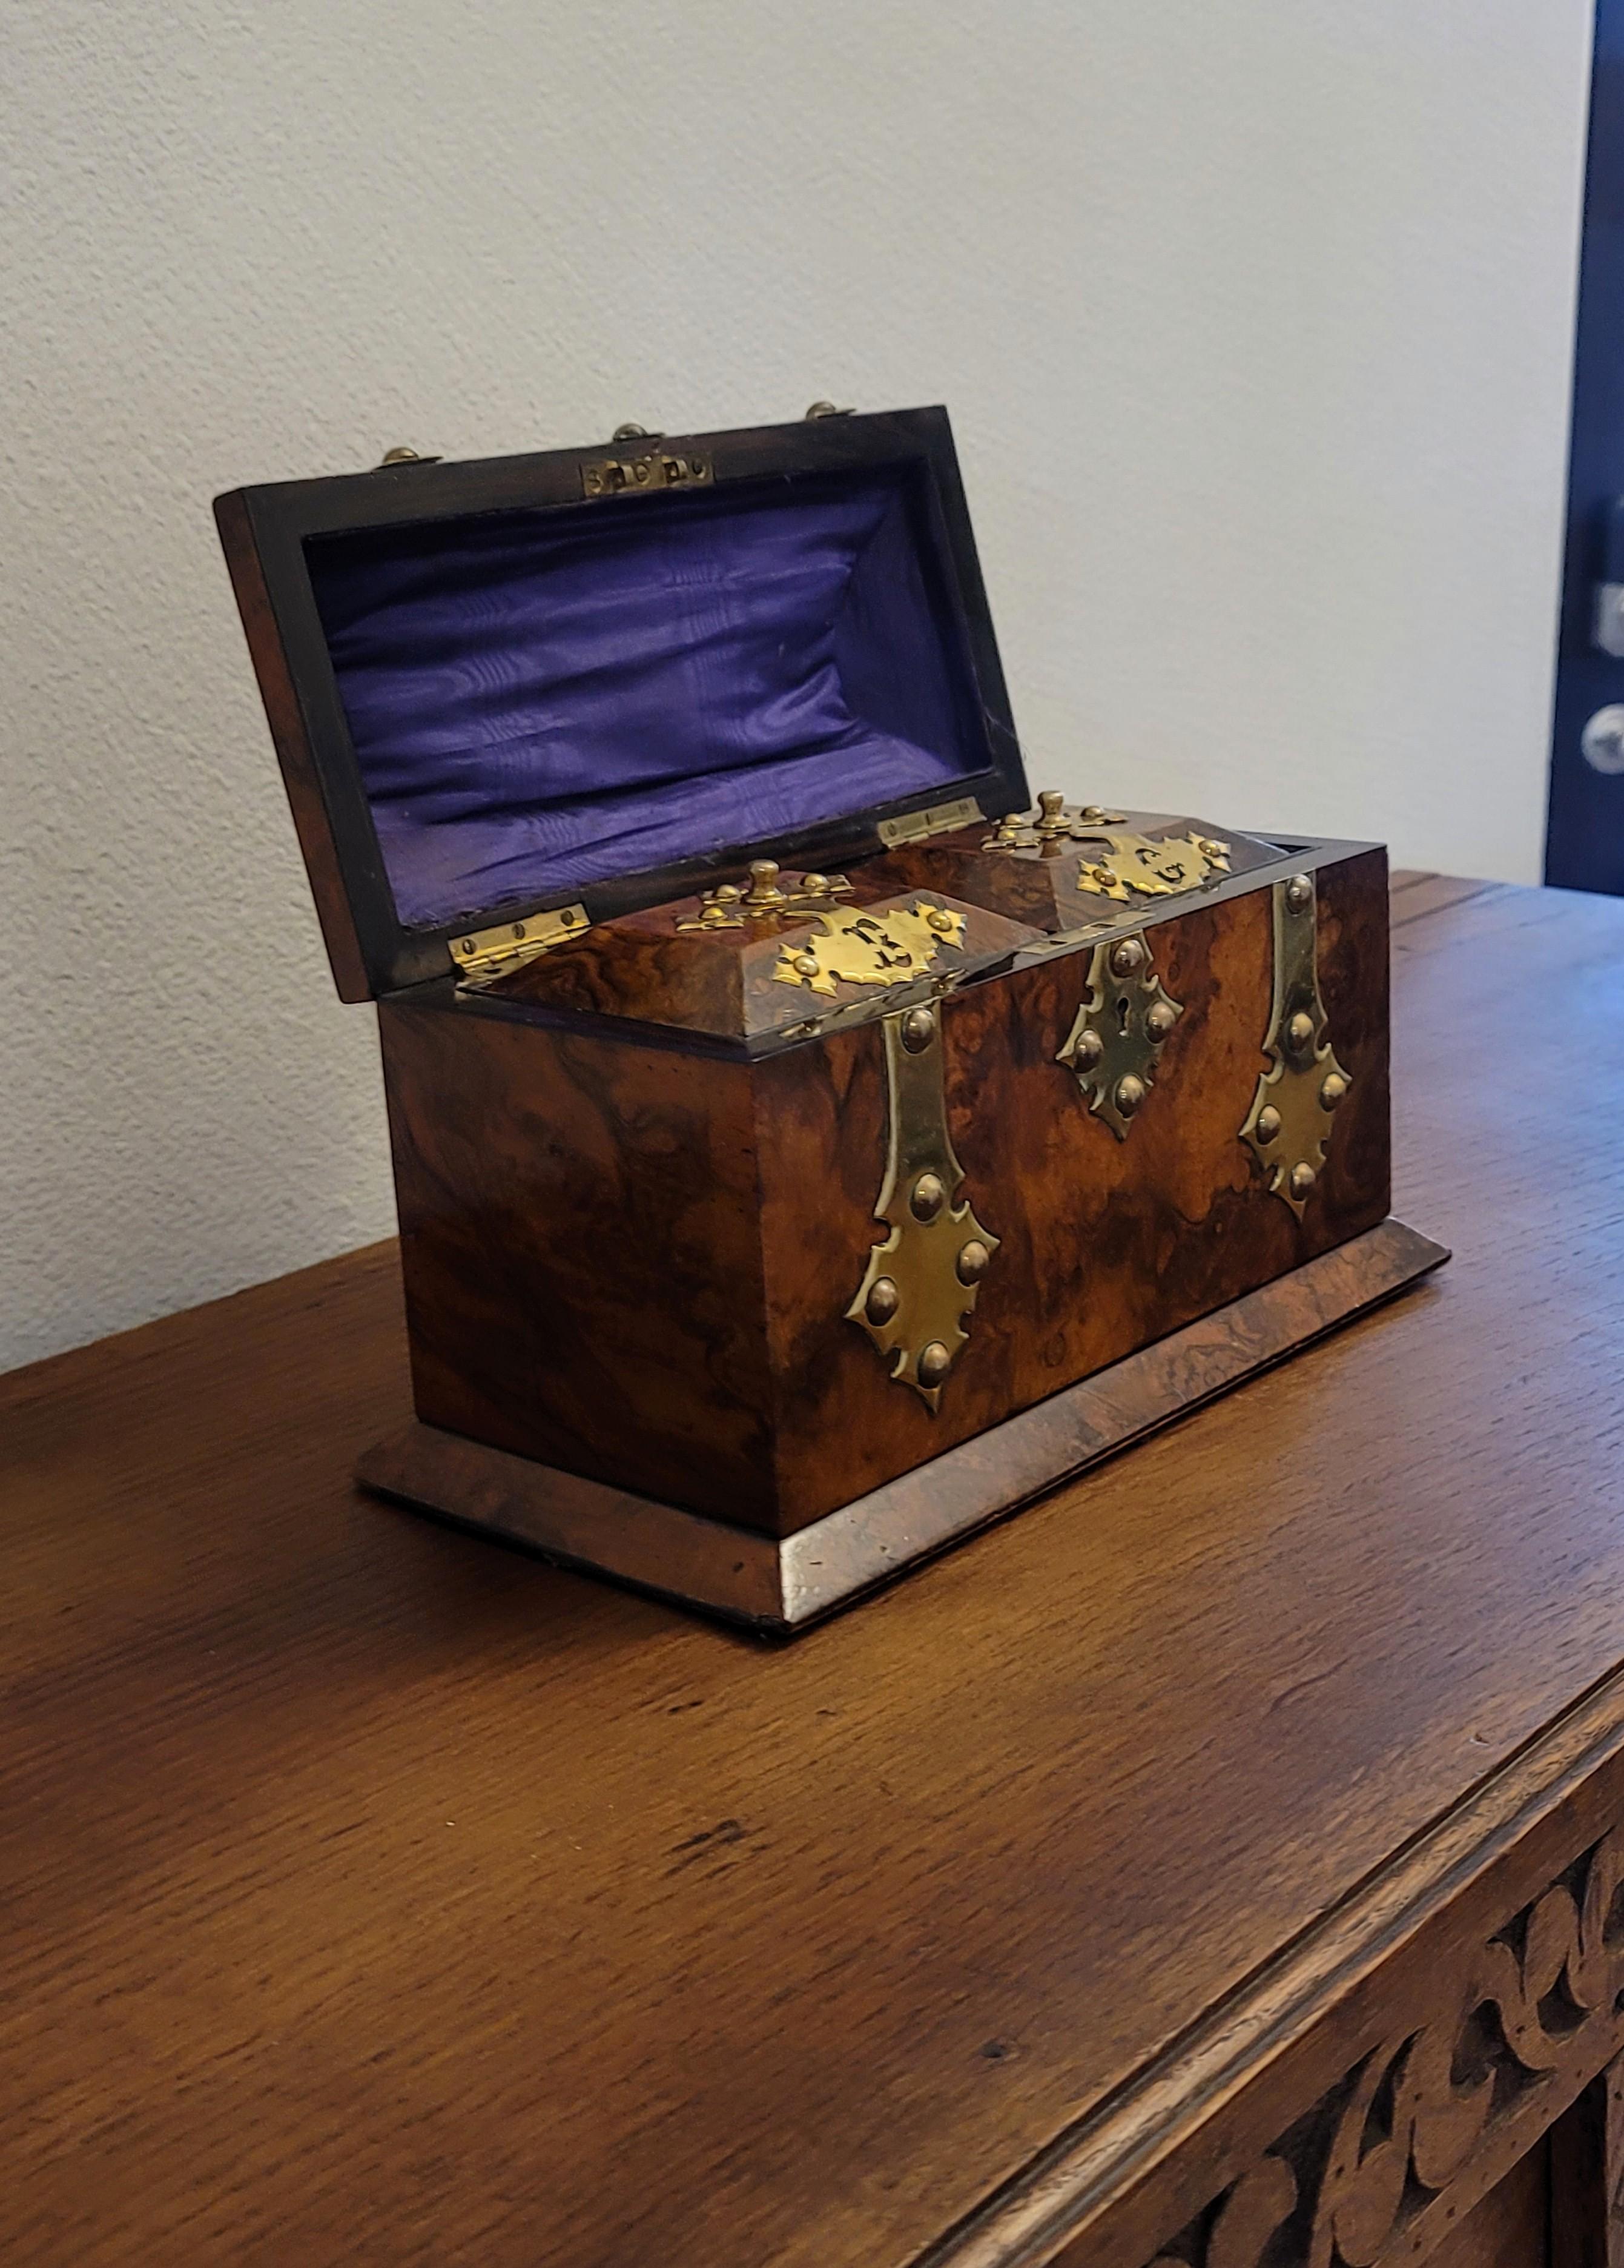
x=923, y=1280
x=876, y=945
x=1125, y=863
x=1115, y=1043
x=1290, y=1122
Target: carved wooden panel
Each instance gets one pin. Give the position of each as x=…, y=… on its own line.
x=1387, y=2162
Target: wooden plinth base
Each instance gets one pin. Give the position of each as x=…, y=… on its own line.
x=782, y=1585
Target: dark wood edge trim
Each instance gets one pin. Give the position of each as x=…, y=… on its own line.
x=312, y=821
x=1072, y=2189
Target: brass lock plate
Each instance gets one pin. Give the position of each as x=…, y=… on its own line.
x=1115, y=1043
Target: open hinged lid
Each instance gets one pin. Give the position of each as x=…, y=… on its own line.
x=591, y=678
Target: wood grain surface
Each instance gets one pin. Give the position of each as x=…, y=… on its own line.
x=725, y=981
x=638, y=1267
x=374, y=1895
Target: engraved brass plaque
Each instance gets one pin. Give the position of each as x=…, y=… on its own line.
x=922, y=1281
x=1290, y=1122
x=1125, y=1021
x=1133, y=864
x=873, y=947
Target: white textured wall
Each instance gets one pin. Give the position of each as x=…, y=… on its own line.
x=1252, y=315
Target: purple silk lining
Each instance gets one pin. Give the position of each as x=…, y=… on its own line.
x=536, y=707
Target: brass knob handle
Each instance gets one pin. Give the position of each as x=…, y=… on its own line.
x=1052, y=809
x=764, y=891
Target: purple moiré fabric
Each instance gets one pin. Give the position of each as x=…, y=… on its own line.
x=535, y=707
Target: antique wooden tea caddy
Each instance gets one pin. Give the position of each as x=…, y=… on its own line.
x=806, y=1151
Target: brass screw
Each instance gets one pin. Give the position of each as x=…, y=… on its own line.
x=1303, y=1180
x=1128, y=958
x=1333, y=1089
x=1300, y=893
x=1300, y=1030
x=927, y=1197
x=1160, y=1021
x=972, y=1261
x=883, y=1302
x=918, y=1029
x=935, y=1362
x=1267, y=1124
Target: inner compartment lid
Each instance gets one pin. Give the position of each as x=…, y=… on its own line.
x=587, y=677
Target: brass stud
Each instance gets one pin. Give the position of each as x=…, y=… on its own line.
x=1092, y=812
x=928, y=1197
x=972, y=1261
x=1129, y=1094
x=629, y=432
x=918, y=1029
x=1300, y=893
x=806, y=964
x=1332, y=1090
x=1300, y=1031
x=935, y=1362
x=939, y=920
x=1267, y=1124
x=883, y=1302
x=726, y=893
x=1160, y=1019
x=1303, y=1180
x=816, y=886
x=1088, y=1049
x=1128, y=957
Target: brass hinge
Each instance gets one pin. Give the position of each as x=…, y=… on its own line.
x=482, y=954
x=941, y=819
x=642, y=474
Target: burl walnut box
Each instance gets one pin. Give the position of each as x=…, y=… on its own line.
x=807, y=1148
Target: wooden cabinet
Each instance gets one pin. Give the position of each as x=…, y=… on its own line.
x=1223, y=1864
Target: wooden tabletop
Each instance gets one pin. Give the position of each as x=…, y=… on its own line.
x=375, y=1895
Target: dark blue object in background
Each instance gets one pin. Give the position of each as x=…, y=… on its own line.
x=1585, y=842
